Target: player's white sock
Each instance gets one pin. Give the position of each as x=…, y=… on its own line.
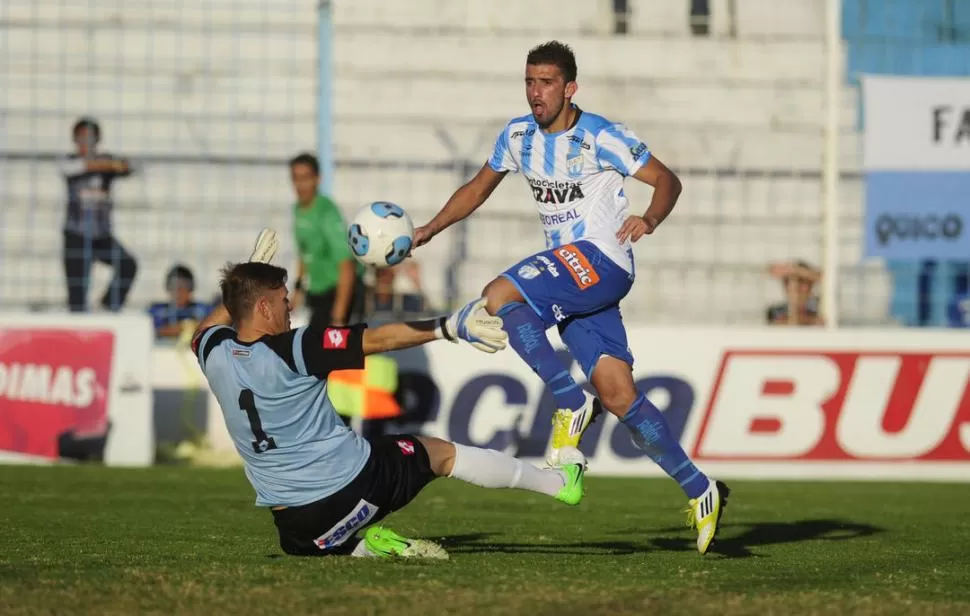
x=361, y=551
x=493, y=469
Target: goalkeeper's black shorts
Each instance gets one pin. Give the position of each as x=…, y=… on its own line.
x=397, y=470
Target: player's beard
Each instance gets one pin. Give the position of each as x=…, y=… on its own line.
x=550, y=118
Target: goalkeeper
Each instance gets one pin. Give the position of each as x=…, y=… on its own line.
x=321, y=480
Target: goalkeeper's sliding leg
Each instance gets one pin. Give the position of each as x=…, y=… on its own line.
x=397, y=470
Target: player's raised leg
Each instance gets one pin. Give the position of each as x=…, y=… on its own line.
x=556, y=287
x=527, y=335
x=525, y=319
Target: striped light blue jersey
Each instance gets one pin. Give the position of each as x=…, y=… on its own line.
x=576, y=178
x=273, y=394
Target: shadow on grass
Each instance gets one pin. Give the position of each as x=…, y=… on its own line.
x=472, y=543
x=736, y=540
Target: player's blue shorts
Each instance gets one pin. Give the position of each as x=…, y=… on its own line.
x=579, y=289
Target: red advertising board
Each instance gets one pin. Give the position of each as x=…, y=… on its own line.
x=54, y=386
x=838, y=406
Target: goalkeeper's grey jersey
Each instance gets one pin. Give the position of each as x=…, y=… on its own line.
x=273, y=394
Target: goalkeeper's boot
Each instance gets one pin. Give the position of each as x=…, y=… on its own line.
x=704, y=513
x=568, y=426
x=384, y=542
x=573, y=465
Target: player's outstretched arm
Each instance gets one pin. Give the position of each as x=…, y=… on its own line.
x=471, y=323
x=462, y=203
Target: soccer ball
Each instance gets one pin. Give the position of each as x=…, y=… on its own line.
x=381, y=234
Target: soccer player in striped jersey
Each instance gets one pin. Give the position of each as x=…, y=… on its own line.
x=575, y=163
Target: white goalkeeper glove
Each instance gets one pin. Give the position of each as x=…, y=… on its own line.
x=474, y=325
x=266, y=246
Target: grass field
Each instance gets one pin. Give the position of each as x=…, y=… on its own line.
x=180, y=540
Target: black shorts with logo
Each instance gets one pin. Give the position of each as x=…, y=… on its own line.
x=397, y=470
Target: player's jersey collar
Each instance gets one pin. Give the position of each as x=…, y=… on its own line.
x=576, y=123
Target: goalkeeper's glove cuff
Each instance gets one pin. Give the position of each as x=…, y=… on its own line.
x=474, y=325
x=441, y=330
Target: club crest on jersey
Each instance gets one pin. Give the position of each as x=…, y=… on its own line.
x=575, y=166
x=578, y=266
x=335, y=338
x=529, y=271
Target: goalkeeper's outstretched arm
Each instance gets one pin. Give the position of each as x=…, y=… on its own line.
x=395, y=336
x=470, y=323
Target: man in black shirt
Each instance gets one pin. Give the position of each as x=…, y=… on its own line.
x=87, y=226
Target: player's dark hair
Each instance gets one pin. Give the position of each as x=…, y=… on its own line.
x=306, y=159
x=88, y=123
x=557, y=54
x=242, y=285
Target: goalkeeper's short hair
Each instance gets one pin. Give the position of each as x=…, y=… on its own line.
x=243, y=283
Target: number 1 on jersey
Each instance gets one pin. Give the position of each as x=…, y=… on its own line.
x=263, y=442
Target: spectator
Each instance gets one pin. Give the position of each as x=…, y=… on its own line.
x=926, y=292
x=329, y=279
x=801, y=307
x=172, y=317
x=958, y=311
x=87, y=227
x=386, y=296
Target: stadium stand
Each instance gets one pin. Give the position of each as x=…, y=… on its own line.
x=908, y=37
x=213, y=96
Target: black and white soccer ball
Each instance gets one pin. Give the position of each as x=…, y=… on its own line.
x=381, y=234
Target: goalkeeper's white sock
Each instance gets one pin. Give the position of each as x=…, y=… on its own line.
x=361, y=551
x=493, y=469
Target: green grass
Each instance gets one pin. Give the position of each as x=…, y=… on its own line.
x=179, y=540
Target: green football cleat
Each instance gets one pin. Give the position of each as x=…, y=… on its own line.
x=573, y=464
x=384, y=542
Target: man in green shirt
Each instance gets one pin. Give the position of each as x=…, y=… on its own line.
x=328, y=277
